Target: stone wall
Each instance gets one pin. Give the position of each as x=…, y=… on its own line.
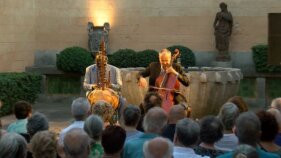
x=29, y=26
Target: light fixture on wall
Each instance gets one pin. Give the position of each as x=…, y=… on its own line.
x=96, y=34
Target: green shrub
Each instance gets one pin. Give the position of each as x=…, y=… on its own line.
x=186, y=55
x=74, y=59
x=260, y=59
x=123, y=58
x=145, y=57
x=18, y=86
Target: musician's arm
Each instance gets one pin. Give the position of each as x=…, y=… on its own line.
x=86, y=84
x=144, y=73
x=182, y=77
x=118, y=84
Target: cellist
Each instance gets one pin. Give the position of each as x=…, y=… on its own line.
x=164, y=67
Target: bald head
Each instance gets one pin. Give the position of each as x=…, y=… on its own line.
x=158, y=147
x=276, y=104
x=76, y=144
x=177, y=112
x=165, y=58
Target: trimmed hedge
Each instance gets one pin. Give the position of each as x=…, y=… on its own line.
x=18, y=86
x=186, y=55
x=145, y=57
x=74, y=59
x=123, y=58
x=260, y=59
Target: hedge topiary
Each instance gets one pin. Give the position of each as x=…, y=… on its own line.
x=123, y=58
x=260, y=59
x=74, y=59
x=186, y=55
x=145, y=57
x=18, y=86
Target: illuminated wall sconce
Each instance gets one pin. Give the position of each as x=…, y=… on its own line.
x=96, y=34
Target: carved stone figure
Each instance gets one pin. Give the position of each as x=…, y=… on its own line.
x=96, y=34
x=223, y=28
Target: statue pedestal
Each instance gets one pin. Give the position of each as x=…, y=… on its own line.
x=226, y=64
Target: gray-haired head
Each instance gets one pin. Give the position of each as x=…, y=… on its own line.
x=154, y=120
x=37, y=122
x=228, y=114
x=158, y=147
x=80, y=108
x=245, y=151
x=104, y=110
x=248, y=128
x=76, y=143
x=94, y=126
x=276, y=104
x=131, y=115
x=13, y=145
x=187, y=132
x=177, y=112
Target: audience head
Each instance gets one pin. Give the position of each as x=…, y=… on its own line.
x=227, y=115
x=22, y=109
x=80, y=108
x=211, y=129
x=76, y=144
x=131, y=116
x=177, y=112
x=187, y=132
x=276, y=104
x=37, y=122
x=248, y=128
x=239, y=102
x=44, y=145
x=154, y=120
x=245, y=151
x=113, y=139
x=276, y=113
x=152, y=99
x=94, y=126
x=104, y=110
x=158, y=148
x=269, y=126
x=13, y=145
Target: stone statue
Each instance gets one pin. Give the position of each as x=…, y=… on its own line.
x=223, y=28
x=96, y=33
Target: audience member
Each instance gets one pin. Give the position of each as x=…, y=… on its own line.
x=154, y=121
x=22, y=111
x=239, y=102
x=227, y=115
x=177, y=112
x=76, y=144
x=112, y=140
x=129, y=121
x=158, y=148
x=80, y=110
x=211, y=130
x=276, y=104
x=247, y=129
x=269, y=129
x=245, y=151
x=93, y=127
x=13, y=145
x=277, y=116
x=105, y=111
x=44, y=145
x=151, y=99
x=186, y=137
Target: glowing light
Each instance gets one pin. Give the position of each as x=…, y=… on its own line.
x=100, y=12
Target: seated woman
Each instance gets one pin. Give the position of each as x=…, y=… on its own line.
x=211, y=130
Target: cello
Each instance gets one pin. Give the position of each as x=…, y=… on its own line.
x=167, y=84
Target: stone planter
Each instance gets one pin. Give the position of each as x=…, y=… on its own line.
x=209, y=89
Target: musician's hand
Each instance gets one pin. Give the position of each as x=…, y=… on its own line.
x=94, y=86
x=142, y=82
x=172, y=70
